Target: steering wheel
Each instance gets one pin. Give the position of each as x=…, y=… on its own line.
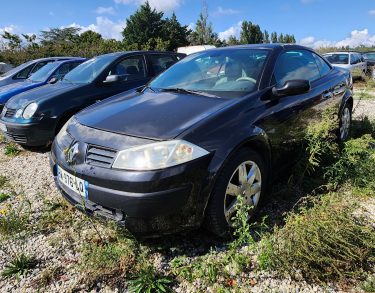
x=243, y=78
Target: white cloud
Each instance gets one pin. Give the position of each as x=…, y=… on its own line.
x=222, y=11
x=10, y=29
x=105, y=10
x=165, y=5
x=104, y=26
x=356, y=38
x=232, y=31
x=372, y=12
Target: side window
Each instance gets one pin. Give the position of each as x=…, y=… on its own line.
x=299, y=64
x=322, y=65
x=131, y=68
x=354, y=59
x=39, y=66
x=24, y=73
x=64, y=69
x=73, y=65
x=161, y=62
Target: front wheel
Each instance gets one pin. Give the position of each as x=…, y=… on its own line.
x=243, y=175
x=345, y=123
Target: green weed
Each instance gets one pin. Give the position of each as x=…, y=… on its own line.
x=4, y=197
x=11, y=150
x=148, y=281
x=20, y=265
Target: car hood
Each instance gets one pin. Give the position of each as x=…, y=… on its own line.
x=39, y=94
x=151, y=115
x=18, y=87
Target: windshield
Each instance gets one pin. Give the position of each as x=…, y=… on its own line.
x=16, y=69
x=89, y=70
x=369, y=56
x=44, y=73
x=224, y=73
x=337, y=58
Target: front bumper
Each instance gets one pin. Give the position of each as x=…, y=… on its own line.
x=32, y=134
x=147, y=203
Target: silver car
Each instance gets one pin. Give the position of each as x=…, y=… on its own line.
x=22, y=72
x=352, y=61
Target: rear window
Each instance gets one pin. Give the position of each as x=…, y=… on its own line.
x=337, y=58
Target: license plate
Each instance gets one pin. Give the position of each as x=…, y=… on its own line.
x=73, y=183
x=3, y=127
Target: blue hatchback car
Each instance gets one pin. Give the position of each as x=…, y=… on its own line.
x=49, y=73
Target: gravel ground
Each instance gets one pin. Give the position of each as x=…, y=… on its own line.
x=56, y=251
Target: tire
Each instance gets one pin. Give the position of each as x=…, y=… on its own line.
x=216, y=219
x=345, y=123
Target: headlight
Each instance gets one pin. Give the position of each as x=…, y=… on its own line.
x=30, y=110
x=63, y=138
x=158, y=155
x=18, y=113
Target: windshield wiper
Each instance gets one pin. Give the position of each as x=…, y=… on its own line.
x=190, y=92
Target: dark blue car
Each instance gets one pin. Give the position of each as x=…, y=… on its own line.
x=49, y=73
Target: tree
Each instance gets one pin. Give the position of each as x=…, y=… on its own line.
x=13, y=40
x=245, y=36
x=90, y=37
x=144, y=25
x=204, y=33
x=266, y=37
x=274, y=38
x=175, y=33
x=250, y=33
x=232, y=41
x=281, y=38
x=66, y=35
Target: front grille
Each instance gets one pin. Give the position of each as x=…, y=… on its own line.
x=99, y=156
x=10, y=113
x=21, y=139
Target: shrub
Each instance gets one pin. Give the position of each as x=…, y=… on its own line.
x=324, y=241
x=356, y=164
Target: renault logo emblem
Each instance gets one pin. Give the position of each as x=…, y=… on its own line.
x=72, y=153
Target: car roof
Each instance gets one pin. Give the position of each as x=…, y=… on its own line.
x=271, y=46
x=122, y=53
x=55, y=58
x=70, y=60
x=343, y=52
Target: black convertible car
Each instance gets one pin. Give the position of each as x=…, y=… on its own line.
x=216, y=125
x=33, y=118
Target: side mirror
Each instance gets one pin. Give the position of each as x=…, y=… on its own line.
x=292, y=87
x=53, y=80
x=111, y=79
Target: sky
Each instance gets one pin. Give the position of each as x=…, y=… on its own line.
x=314, y=23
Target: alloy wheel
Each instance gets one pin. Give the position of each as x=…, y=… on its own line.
x=245, y=181
x=345, y=123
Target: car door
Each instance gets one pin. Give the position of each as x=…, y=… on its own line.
x=288, y=118
x=355, y=65
x=159, y=62
x=132, y=73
